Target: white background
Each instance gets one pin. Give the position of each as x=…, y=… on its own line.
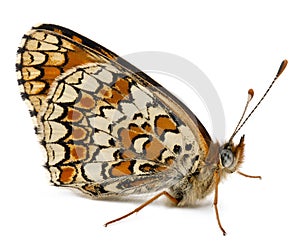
x=238, y=45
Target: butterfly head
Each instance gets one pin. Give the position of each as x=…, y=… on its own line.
x=231, y=156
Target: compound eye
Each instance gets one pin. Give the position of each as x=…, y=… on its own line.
x=227, y=158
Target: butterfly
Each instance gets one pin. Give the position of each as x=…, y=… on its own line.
x=108, y=129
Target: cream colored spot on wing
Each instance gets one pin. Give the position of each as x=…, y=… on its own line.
x=30, y=73
x=93, y=171
x=53, y=112
x=34, y=87
x=55, y=153
x=111, y=68
x=100, y=123
x=54, y=173
x=32, y=58
x=88, y=83
x=39, y=45
x=54, y=131
x=74, y=78
x=18, y=60
x=93, y=68
x=38, y=35
x=64, y=94
x=66, y=44
x=51, y=39
x=23, y=41
x=105, y=76
x=102, y=138
x=138, y=144
x=166, y=154
x=55, y=58
x=128, y=109
x=140, y=98
x=112, y=114
x=106, y=154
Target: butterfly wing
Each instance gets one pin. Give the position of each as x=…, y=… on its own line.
x=46, y=52
x=107, y=127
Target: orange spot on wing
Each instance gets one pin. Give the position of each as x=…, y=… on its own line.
x=86, y=101
x=170, y=161
x=79, y=56
x=128, y=154
x=125, y=138
x=77, y=152
x=126, y=135
x=115, y=98
x=121, y=169
x=106, y=92
x=117, y=93
x=58, y=31
x=153, y=149
x=78, y=133
x=74, y=115
x=135, y=129
x=108, y=55
x=67, y=174
x=161, y=168
x=148, y=128
x=51, y=73
x=164, y=123
x=123, y=86
x=77, y=39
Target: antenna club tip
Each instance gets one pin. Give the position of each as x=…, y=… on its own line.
x=282, y=67
x=250, y=94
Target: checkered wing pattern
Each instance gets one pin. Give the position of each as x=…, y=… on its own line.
x=107, y=128
x=46, y=52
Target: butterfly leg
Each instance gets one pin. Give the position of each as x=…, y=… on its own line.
x=249, y=176
x=173, y=199
x=217, y=180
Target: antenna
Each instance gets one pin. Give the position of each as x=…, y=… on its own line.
x=250, y=96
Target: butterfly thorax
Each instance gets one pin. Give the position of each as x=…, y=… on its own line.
x=220, y=160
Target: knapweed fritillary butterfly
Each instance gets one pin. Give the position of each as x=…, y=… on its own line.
x=110, y=130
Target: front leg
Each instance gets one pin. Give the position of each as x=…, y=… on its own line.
x=173, y=199
x=217, y=180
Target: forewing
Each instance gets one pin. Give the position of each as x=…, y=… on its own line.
x=46, y=52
